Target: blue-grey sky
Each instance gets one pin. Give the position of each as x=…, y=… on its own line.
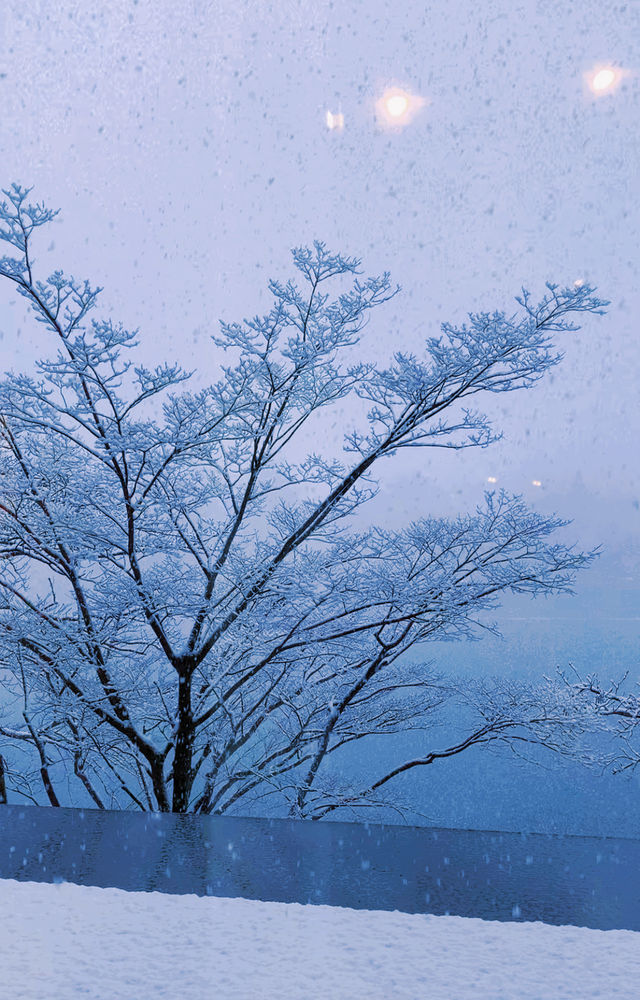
x=187, y=146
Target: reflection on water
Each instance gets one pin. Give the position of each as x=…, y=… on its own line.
x=502, y=876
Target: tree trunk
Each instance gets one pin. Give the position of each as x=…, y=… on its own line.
x=182, y=776
x=3, y=787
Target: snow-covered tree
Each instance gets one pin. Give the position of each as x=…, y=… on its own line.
x=612, y=709
x=191, y=615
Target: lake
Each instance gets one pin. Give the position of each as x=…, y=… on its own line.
x=589, y=882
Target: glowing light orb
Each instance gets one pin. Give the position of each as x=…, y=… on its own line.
x=578, y=283
x=491, y=479
x=604, y=80
x=335, y=121
x=397, y=107
x=536, y=482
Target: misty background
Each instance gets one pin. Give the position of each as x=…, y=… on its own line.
x=187, y=146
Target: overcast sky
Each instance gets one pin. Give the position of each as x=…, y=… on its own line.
x=187, y=146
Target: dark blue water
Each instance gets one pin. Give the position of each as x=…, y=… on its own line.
x=584, y=881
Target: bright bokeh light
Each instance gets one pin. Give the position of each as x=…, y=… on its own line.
x=398, y=107
x=604, y=80
x=491, y=479
x=335, y=121
x=578, y=283
x=536, y=482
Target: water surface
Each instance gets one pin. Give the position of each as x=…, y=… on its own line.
x=585, y=881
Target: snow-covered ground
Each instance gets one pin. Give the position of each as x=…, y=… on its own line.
x=59, y=942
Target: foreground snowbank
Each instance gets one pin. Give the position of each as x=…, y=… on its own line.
x=67, y=941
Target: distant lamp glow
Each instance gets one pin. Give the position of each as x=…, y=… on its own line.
x=604, y=80
x=578, y=283
x=536, y=482
x=398, y=107
x=335, y=121
x=491, y=479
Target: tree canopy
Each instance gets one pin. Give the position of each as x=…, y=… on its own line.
x=192, y=617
